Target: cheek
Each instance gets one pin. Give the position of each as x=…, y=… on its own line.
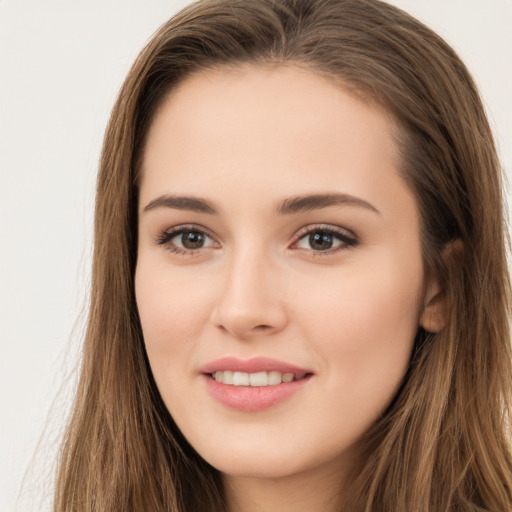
x=173, y=308
x=355, y=325
x=364, y=325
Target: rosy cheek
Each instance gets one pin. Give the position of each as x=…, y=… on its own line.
x=172, y=310
x=366, y=317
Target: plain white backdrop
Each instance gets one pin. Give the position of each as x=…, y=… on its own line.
x=61, y=65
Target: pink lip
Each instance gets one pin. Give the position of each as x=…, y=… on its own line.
x=247, y=398
x=256, y=364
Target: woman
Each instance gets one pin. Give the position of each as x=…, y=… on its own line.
x=300, y=292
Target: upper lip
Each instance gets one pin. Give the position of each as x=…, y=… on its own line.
x=253, y=365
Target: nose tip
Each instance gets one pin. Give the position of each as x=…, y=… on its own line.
x=243, y=325
x=250, y=304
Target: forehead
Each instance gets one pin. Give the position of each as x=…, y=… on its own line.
x=284, y=96
x=269, y=130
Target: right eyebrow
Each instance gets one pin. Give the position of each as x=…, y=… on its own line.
x=194, y=204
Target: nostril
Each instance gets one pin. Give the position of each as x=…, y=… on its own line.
x=243, y=321
x=262, y=327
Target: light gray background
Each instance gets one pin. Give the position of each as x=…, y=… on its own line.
x=61, y=65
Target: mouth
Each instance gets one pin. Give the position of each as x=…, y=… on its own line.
x=257, y=384
x=256, y=379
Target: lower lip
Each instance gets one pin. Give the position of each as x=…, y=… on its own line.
x=252, y=399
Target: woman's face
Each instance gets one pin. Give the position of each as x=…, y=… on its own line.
x=277, y=241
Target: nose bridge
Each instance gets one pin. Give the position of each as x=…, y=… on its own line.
x=249, y=301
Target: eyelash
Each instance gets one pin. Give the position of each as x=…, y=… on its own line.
x=165, y=237
x=347, y=239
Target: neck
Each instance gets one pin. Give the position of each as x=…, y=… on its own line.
x=301, y=492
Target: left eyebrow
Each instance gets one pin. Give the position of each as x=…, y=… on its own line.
x=318, y=201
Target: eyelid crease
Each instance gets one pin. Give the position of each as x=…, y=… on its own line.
x=347, y=238
x=164, y=236
x=344, y=233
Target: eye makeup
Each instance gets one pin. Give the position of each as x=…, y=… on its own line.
x=193, y=238
x=320, y=240
x=324, y=240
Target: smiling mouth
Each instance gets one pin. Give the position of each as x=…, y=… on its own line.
x=257, y=379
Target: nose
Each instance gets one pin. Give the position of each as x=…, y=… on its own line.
x=251, y=301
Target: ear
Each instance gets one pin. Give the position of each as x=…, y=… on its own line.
x=435, y=305
x=434, y=315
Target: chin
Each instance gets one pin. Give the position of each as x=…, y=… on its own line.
x=261, y=469
x=270, y=460
x=257, y=460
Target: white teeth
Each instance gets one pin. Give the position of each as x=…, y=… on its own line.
x=258, y=379
x=240, y=379
x=274, y=378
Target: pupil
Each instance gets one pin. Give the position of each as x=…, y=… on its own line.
x=320, y=241
x=192, y=240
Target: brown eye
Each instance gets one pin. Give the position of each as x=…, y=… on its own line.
x=192, y=239
x=320, y=241
x=325, y=240
x=185, y=239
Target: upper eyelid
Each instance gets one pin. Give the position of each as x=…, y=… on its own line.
x=170, y=232
x=347, y=238
x=187, y=227
x=325, y=227
x=173, y=231
x=301, y=231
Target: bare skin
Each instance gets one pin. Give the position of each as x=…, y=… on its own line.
x=274, y=223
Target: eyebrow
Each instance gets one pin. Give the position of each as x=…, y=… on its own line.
x=318, y=201
x=286, y=207
x=194, y=204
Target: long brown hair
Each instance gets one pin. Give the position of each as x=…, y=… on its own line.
x=443, y=444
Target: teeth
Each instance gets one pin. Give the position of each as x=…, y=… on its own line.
x=274, y=378
x=240, y=379
x=258, y=379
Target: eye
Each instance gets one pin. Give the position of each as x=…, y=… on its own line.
x=185, y=239
x=325, y=239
